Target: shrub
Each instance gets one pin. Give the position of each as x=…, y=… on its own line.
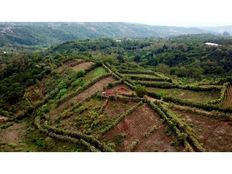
x=61, y=93
x=80, y=73
x=140, y=90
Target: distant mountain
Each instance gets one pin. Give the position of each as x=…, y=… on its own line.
x=32, y=34
x=219, y=29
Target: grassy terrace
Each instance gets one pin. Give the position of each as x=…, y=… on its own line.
x=94, y=74
x=193, y=96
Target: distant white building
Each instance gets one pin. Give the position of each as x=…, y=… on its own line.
x=4, y=52
x=211, y=44
x=118, y=40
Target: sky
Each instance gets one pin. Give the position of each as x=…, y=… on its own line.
x=154, y=12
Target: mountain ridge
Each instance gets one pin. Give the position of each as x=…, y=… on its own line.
x=48, y=33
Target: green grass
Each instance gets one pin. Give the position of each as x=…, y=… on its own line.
x=193, y=96
x=94, y=74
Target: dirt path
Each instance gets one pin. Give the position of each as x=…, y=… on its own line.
x=228, y=98
x=84, y=65
x=76, y=65
x=99, y=86
x=141, y=131
x=13, y=134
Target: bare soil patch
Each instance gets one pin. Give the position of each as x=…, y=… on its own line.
x=83, y=66
x=215, y=135
x=72, y=64
x=13, y=134
x=36, y=93
x=134, y=132
x=227, y=103
x=3, y=119
x=115, y=108
x=118, y=90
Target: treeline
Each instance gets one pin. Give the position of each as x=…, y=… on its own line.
x=184, y=56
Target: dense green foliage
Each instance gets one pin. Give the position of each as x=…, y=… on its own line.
x=182, y=59
x=28, y=34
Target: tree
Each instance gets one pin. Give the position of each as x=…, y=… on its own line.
x=163, y=68
x=225, y=33
x=140, y=90
x=137, y=58
x=120, y=58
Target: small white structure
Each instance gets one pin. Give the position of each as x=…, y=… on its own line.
x=211, y=44
x=118, y=40
x=4, y=52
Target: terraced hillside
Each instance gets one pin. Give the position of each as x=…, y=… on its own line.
x=104, y=108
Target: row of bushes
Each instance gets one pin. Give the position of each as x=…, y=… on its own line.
x=113, y=84
x=222, y=94
x=167, y=85
x=183, y=127
x=136, y=72
x=79, y=90
x=115, y=74
x=206, y=107
x=91, y=140
x=178, y=127
x=220, y=81
x=73, y=140
x=82, y=138
x=156, y=74
x=68, y=113
x=172, y=126
x=144, y=78
x=162, y=76
x=119, y=76
x=212, y=114
x=124, y=98
x=121, y=117
x=61, y=135
x=155, y=84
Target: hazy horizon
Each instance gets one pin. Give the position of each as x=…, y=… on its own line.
x=151, y=24
x=191, y=13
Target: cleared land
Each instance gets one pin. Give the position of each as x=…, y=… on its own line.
x=141, y=130
x=215, y=135
x=227, y=103
x=194, y=96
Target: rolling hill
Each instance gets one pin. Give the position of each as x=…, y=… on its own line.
x=34, y=34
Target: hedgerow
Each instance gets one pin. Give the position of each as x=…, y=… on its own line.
x=211, y=114
x=115, y=74
x=80, y=135
x=167, y=85
x=75, y=137
x=222, y=94
x=123, y=98
x=143, y=78
x=207, y=107
x=183, y=131
x=136, y=72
